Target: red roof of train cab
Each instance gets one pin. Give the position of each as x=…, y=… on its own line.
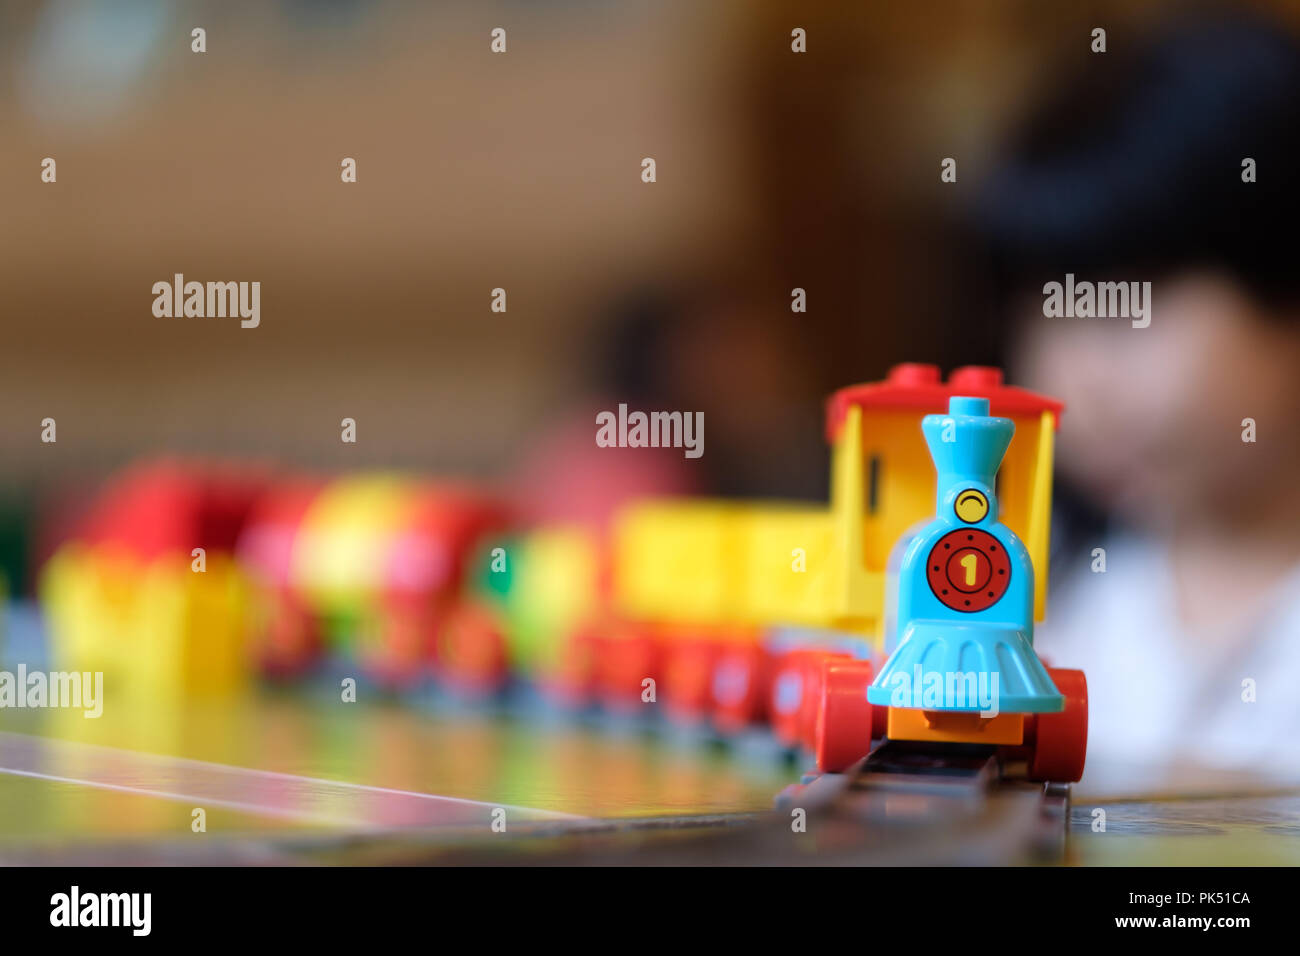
x=170, y=506
x=919, y=387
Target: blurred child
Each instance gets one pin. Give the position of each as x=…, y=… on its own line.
x=699, y=351
x=1138, y=171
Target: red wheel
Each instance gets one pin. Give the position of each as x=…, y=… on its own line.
x=629, y=657
x=688, y=678
x=1061, y=740
x=795, y=695
x=574, y=678
x=472, y=649
x=290, y=640
x=786, y=697
x=844, y=720
x=739, y=687
x=814, y=675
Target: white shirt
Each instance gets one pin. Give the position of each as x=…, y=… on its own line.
x=1157, y=697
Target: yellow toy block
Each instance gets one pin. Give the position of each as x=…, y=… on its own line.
x=718, y=565
x=788, y=559
x=556, y=594
x=157, y=631
x=339, y=559
x=80, y=620
x=214, y=613
x=679, y=561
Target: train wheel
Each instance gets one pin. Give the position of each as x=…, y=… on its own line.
x=739, y=687
x=814, y=673
x=574, y=679
x=392, y=645
x=472, y=649
x=844, y=720
x=787, y=697
x=290, y=640
x=688, y=678
x=629, y=657
x=1061, y=740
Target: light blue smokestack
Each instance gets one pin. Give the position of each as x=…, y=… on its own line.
x=975, y=447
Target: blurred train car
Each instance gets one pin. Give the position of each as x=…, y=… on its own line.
x=549, y=595
x=373, y=567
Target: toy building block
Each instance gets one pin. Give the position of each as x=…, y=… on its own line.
x=132, y=597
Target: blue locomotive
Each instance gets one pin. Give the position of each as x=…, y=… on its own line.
x=963, y=668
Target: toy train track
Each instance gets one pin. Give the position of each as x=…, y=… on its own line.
x=911, y=785
x=904, y=804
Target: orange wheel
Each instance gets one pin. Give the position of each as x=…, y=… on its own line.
x=844, y=720
x=1061, y=740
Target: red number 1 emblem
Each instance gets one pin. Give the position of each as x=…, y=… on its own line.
x=968, y=569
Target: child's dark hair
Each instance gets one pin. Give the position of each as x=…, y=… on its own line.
x=1134, y=168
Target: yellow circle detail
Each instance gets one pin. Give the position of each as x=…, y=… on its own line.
x=971, y=506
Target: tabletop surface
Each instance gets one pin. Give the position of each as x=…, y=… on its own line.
x=277, y=765
x=299, y=766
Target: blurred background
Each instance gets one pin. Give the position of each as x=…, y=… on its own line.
x=775, y=170
x=478, y=171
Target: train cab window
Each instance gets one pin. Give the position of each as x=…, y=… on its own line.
x=873, y=484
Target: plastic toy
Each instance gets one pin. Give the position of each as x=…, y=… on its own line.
x=131, y=598
x=963, y=669
x=375, y=567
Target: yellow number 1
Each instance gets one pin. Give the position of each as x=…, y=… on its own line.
x=970, y=563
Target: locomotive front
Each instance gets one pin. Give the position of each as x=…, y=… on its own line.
x=963, y=669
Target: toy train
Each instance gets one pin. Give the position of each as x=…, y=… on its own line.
x=739, y=614
x=963, y=668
